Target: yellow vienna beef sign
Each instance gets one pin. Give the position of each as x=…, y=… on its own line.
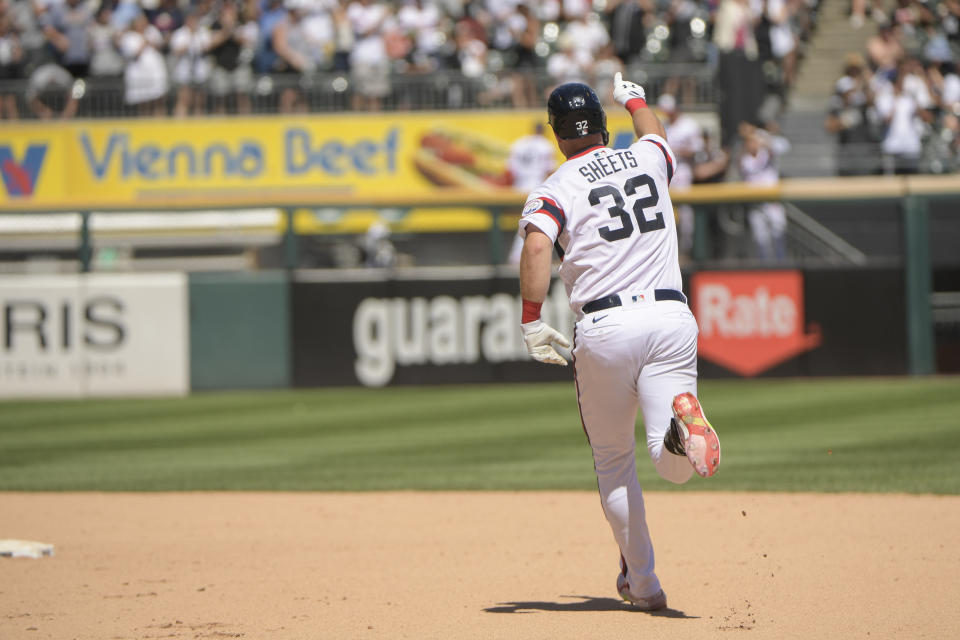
x=260, y=161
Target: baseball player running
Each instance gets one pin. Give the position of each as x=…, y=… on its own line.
x=609, y=215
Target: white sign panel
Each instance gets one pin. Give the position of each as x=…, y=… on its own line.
x=94, y=334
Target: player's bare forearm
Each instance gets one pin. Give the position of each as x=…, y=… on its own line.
x=535, y=262
x=645, y=122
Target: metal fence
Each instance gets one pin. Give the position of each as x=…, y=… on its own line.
x=331, y=92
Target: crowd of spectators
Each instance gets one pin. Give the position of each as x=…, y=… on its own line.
x=759, y=44
x=896, y=108
x=185, y=57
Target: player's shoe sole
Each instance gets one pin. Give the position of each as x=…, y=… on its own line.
x=700, y=440
x=653, y=603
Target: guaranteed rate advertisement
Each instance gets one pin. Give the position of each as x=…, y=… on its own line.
x=466, y=329
x=118, y=162
x=417, y=331
x=821, y=322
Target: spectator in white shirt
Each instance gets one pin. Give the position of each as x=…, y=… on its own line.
x=191, y=67
x=421, y=20
x=145, y=78
x=586, y=35
x=319, y=33
x=901, y=112
x=915, y=82
x=946, y=86
x=499, y=16
x=574, y=9
x=568, y=63
x=547, y=10
x=369, y=64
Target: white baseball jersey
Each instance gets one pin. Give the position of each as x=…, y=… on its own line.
x=609, y=214
x=532, y=158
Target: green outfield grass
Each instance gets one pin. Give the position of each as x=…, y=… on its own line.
x=880, y=434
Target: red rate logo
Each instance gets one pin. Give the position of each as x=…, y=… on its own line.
x=751, y=320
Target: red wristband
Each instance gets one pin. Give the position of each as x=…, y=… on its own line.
x=531, y=311
x=635, y=103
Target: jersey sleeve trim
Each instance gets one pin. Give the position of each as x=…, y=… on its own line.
x=666, y=156
x=553, y=210
x=548, y=207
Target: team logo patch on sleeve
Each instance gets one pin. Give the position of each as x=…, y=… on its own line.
x=532, y=206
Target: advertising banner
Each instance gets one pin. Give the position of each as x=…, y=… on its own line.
x=789, y=323
x=451, y=329
x=417, y=331
x=130, y=162
x=751, y=320
x=94, y=334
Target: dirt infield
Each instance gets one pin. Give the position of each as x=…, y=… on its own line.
x=475, y=565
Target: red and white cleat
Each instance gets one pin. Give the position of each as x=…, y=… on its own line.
x=700, y=442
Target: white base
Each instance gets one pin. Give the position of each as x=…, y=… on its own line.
x=24, y=549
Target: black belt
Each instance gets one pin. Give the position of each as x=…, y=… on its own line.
x=610, y=301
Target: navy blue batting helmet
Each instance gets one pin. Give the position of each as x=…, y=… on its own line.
x=575, y=111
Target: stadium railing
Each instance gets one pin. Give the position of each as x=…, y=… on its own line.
x=325, y=91
x=912, y=195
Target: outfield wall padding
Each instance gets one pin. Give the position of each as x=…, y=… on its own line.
x=430, y=329
x=240, y=330
x=415, y=331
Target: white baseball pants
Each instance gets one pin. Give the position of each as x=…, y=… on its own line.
x=768, y=226
x=641, y=355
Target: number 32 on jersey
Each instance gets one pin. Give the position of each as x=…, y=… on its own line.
x=630, y=188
